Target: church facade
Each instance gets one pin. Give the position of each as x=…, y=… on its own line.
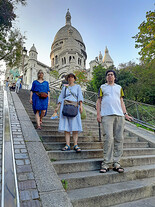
x=68, y=51
x=105, y=61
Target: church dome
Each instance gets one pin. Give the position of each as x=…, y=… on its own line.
x=62, y=34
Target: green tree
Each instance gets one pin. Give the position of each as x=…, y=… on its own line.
x=98, y=78
x=11, y=40
x=81, y=76
x=54, y=73
x=145, y=39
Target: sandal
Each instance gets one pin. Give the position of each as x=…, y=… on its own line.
x=66, y=148
x=104, y=170
x=39, y=128
x=118, y=169
x=77, y=148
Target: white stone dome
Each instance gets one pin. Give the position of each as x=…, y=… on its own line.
x=63, y=34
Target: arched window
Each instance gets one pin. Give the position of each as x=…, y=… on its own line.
x=64, y=60
x=73, y=58
x=52, y=61
x=70, y=58
x=56, y=59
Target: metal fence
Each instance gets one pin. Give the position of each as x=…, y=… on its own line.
x=143, y=114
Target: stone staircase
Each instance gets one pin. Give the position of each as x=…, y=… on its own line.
x=86, y=187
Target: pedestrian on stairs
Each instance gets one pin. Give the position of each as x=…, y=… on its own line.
x=70, y=125
x=111, y=111
x=40, y=98
x=18, y=82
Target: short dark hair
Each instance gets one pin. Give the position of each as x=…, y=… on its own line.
x=110, y=71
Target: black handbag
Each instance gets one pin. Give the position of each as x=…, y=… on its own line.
x=70, y=108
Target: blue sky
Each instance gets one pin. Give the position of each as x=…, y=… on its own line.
x=101, y=23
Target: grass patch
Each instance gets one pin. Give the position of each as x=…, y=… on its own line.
x=53, y=159
x=65, y=184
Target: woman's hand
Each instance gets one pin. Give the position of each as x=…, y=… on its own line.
x=57, y=108
x=81, y=109
x=31, y=102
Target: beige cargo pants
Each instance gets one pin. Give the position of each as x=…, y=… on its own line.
x=113, y=128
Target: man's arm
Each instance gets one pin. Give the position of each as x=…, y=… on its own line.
x=129, y=118
x=98, y=107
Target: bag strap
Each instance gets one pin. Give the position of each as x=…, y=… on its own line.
x=72, y=94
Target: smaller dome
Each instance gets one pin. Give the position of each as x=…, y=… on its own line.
x=33, y=48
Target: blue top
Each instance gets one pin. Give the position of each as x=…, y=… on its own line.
x=40, y=87
x=70, y=124
x=39, y=104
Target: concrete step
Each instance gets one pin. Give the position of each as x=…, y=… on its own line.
x=70, y=166
x=47, y=120
x=91, y=145
x=94, y=178
x=146, y=202
x=96, y=153
x=112, y=194
x=55, y=131
x=60, y=137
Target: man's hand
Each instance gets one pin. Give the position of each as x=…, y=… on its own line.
x=99, y=118
x=127, y=117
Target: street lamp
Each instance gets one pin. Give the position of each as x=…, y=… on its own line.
x=24, y=52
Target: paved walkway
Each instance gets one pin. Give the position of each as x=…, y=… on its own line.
x=38, y=183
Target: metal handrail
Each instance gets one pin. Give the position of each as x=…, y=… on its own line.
x=90, y=99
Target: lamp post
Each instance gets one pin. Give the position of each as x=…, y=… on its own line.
x=24, y=52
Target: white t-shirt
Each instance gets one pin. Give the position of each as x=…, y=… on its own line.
x=111, y=103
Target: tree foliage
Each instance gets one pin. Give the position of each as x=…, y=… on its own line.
x=81, y=76
x=11, y=40
x=145, y=39
x=137, y=81
x=54, y=73
x=98, y=78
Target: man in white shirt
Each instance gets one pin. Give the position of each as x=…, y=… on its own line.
x=111, y=111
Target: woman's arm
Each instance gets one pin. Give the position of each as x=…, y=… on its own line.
x=81, y=109
x=31, y=93
x=57, y=108
x=48, y=98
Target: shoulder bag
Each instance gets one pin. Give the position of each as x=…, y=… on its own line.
x=70, y=108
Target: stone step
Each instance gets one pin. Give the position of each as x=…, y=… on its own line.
x=112, y=194
x=55, y=132
x=70, y=166
x=91, y=145
x=96, y=153
x=146, y=202
x=48, y=120
x=94, y=178
x=60, y=137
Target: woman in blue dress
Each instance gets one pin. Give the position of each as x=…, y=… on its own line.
x=39, y=105
x=70, y=125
